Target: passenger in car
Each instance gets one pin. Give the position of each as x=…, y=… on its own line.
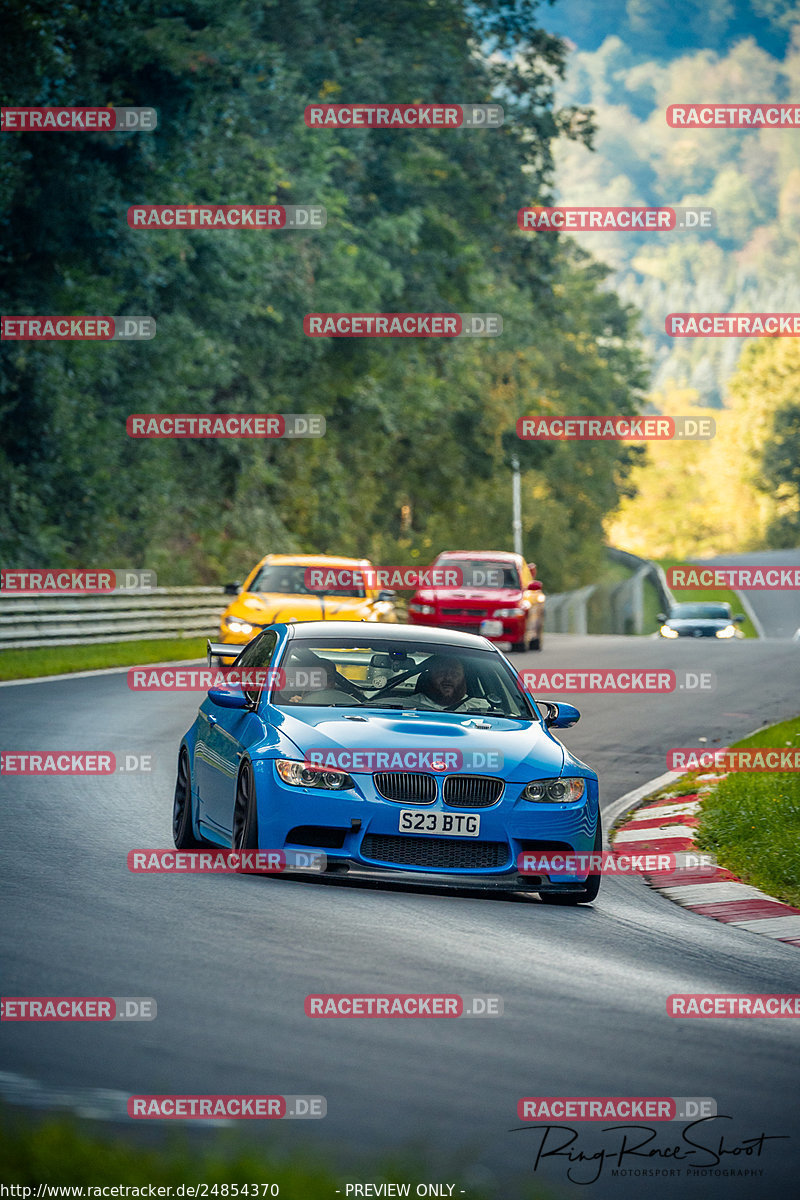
x=319, y=675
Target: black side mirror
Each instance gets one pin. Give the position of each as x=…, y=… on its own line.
x=739, y=618
x=386, y=594
x=232, y=589
x=661, y=617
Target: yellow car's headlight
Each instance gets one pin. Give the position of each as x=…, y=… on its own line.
x=236, y=625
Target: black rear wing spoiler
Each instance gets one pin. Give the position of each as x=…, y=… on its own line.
x=221, y=650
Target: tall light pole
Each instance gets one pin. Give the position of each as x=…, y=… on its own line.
x=516, y=523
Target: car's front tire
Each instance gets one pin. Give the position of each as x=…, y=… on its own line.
x=182, y=831
x=588, y=893
x=245, y=813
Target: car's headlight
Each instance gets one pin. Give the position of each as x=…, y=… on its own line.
x=299, y=774
x=424, y=609
x=555, y=791
x=235, y=625
x=509, y=612
x=665, y=631
x=728, y=632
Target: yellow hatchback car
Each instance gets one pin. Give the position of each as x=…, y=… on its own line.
x=276, y=590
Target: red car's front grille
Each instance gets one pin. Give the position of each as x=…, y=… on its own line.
x=476, y=613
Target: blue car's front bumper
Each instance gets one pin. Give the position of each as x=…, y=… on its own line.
x=359, y=830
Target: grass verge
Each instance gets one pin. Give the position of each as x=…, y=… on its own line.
x=751, y=821
x=57, y=1151
x=60, y=660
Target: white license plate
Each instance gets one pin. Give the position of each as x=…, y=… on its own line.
x=449, y=824
x=491, y=628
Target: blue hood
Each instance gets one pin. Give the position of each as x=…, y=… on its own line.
x=528, y=750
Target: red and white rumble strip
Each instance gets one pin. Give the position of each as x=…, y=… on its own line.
x=669, y=825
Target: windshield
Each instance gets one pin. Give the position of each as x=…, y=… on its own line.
x=716, y=612
x=289, y=579
x=371, y=672
x=483, y=573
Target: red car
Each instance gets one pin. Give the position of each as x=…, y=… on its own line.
x=496, y=596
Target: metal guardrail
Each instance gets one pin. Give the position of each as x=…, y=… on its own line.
x=29, y=620
x=657, y=576
x=609, y=608
x=566, y=612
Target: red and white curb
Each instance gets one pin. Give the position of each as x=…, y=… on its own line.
x=668, y=826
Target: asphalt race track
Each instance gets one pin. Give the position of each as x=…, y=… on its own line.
x=230, y=959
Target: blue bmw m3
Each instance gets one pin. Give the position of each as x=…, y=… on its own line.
x=402, y=752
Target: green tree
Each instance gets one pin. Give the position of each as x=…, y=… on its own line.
x=416, y=222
